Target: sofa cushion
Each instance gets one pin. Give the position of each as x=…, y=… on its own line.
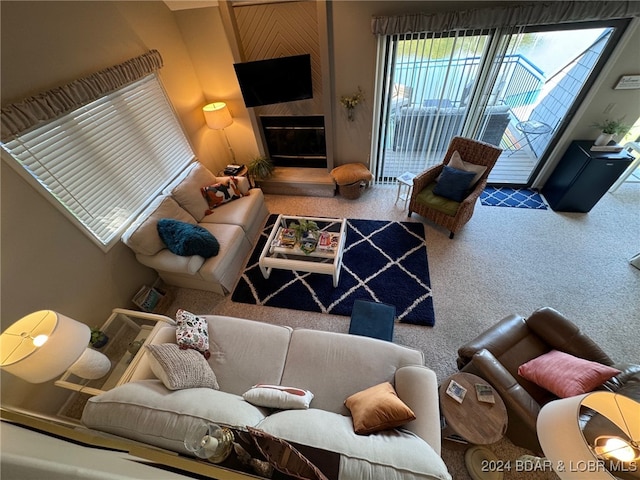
x=187, y=190
x=186, y=239
x=565, y=375
x=148, y=412
x=355, y=363
x=243, y=212
x=378, y=408
x=453, y=184
x=443, y=205
x=250, y=352
x=390, y=454
x=180, y=368
x=220, y=193
x=142, y=236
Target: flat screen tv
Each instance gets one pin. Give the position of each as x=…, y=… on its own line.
x=276, y=80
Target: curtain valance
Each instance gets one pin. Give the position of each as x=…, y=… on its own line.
x=21, y=116
x=535, y=13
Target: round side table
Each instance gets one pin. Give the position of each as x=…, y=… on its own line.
x=476, y=422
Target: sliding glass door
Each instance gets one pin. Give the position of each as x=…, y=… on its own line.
x=514, y=89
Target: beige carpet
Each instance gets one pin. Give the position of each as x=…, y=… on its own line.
x=505, y=260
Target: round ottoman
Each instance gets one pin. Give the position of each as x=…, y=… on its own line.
x=351, y=178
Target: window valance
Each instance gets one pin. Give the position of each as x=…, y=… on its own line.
x=21, y=116
x=535, y=13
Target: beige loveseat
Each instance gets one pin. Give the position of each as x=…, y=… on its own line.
x=236, y=226
x=332, y=366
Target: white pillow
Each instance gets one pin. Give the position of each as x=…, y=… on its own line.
x=277, y=396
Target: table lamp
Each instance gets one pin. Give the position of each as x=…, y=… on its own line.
x=218, y=117
x=578, y=450
x=44, y=344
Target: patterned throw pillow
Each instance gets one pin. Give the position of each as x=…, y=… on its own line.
x=179, y=369
x=192, y=332
x=221, y=193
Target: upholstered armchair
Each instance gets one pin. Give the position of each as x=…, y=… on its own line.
x=497, y=354
x=447, y=212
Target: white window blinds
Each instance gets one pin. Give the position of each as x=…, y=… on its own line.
x=105, y=162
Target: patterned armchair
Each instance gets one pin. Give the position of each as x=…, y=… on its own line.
x=445, y=212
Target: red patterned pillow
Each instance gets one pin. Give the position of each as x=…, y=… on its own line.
x=220, y=193
x=566, y=375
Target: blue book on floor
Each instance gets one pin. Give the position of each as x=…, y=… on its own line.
x=372, y=319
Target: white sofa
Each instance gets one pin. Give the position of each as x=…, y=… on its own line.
x=235, y=225
x=333, y=366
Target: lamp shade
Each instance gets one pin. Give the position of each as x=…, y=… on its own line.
x=42, y=345
x=574, y=456
x=217, y=115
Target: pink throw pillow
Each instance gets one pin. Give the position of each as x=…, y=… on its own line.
x=566, y=375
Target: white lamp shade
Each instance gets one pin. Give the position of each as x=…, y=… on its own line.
x=563, y=442
x=217, y=115
x=66, y=340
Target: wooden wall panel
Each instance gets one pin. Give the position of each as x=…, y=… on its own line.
x=275, y=30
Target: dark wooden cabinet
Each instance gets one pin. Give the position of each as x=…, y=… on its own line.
x=583, y=176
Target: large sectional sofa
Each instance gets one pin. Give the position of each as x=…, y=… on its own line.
x=332, y=366
x=235, y=225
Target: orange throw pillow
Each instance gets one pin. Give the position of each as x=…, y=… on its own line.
x=378, y=408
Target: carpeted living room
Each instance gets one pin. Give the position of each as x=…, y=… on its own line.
x=505, y=261
x=252, y=352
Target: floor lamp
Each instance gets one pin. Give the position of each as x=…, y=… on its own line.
x=580, y=451
x=218, y=117
x=43, y=345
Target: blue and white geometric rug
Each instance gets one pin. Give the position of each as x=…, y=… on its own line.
x=512, y=197
x=382, y=261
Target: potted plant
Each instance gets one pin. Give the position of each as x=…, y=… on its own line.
x=307, y=233
x=98, y=338
x=610, y=128
x=260, y=167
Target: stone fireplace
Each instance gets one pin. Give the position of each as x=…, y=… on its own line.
x=295, y=140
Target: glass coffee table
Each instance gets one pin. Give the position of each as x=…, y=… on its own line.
x=325, y=259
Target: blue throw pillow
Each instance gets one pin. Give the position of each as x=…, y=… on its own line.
x=186, y=239
x=453, y=183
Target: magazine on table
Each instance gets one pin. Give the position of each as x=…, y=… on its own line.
x=286, y=238
x=308, y=242
x=485, y=393
x=456, y=391
x=328, y=241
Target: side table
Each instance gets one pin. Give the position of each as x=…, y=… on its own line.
x=472, y=421
x=405, y=185
x=122, y=327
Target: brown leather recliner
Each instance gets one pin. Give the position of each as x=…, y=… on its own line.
x=496, y=354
